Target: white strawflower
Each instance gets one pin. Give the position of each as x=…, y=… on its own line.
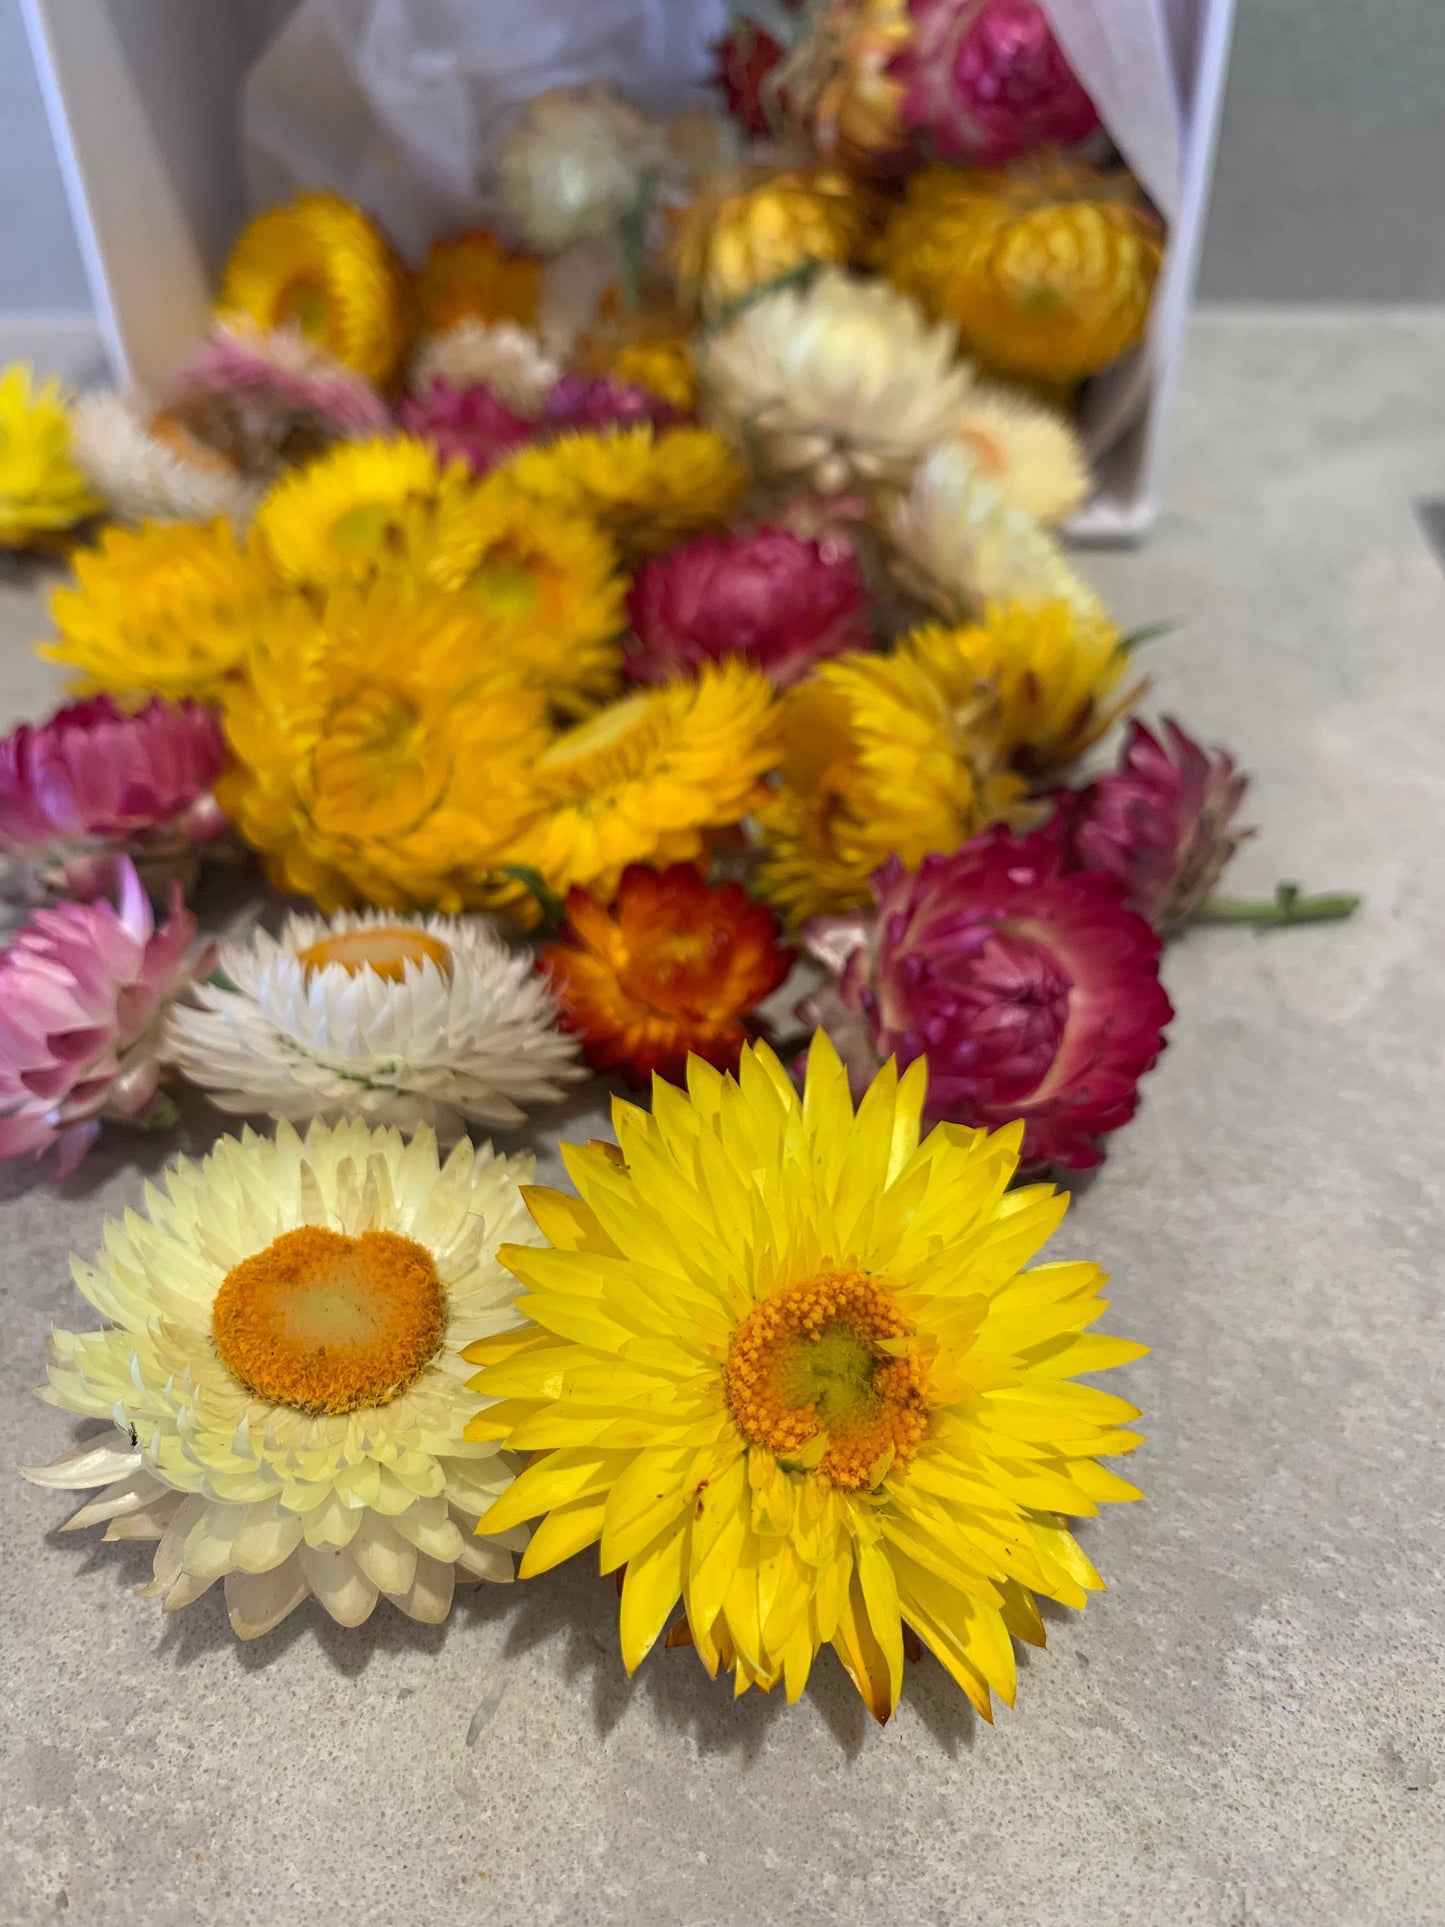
x=150, y=470
x=841, y=384
x=506, y=357
x=282, y=1373
x=405, y=1021
x=574, y=164
x=960, y=541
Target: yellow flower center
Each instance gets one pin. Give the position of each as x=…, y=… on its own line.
x=823, y=1375
x=366, y=528
x=326, y=1323
x=385, y=949
x=376, y=768
x=307, y=303
x=507, y=584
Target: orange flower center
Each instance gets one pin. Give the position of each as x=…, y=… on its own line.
x=385, y=949
x=326, y=1323
x=823, y=1374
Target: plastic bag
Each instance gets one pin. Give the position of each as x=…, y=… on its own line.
x=401, y=104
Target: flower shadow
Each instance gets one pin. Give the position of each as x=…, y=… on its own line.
x=572, y=1609
x=574, y=1606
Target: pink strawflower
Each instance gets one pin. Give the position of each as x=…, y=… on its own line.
x=1163, y=824
x=769, y=597
x=465, y=424
x=985, y=81
x=577, y=401
x=94, y=780
x=269, y=399
x=83, y=990
x=1032, y=993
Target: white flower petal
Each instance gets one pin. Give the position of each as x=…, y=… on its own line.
x=257, y=1601
x=384, y=1556
x=343, y=1589
x=95, y=1463
x=429, y=1597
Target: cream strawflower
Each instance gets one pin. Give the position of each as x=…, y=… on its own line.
x=960, y=541
x=282, y=1377
x=841, y=384
x=399, y=1020
x=1029, y=450
x=574, y=164
x=152, y=470
x=500, y=355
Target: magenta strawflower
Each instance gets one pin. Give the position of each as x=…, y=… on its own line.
x=465, y=424
x=1032, y=993
x=576, y=401
x=83, y=990
x=771, y=598
x=985, y=81
x=94, y=780
x=1163, y=824
x=268, y=399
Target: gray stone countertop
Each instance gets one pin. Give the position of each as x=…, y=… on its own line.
x=1247, y=1728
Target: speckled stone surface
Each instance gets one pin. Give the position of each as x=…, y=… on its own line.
x=1247, y=1729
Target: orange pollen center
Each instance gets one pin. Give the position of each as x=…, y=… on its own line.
x=326, y=1323
x=824, y=1374
x=385, y=949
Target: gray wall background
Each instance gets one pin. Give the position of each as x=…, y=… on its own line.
x=1330, y=182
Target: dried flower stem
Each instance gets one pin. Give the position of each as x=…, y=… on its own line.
x=1287, y=906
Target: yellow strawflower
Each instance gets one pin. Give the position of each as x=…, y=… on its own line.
x=169, y=609
x=783, y=1368
x=1046, y=270
x=42, y=491
x=351, y=512
x=663, y=367
x=646, y=779
x=647, y=489
x=1040, y=682
x=546, y=585
x=749, y=226
x=320, y=262
x=878, y=759
x=379, y=758
x=838, y=86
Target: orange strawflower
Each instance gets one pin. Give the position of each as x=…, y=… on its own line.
x=471, y=277
x=675, y=966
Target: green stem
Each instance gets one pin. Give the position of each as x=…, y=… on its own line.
x=1150, y=632
x=797, y=277
x=633, y=239
x=551, y=905
x=1286, y=906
